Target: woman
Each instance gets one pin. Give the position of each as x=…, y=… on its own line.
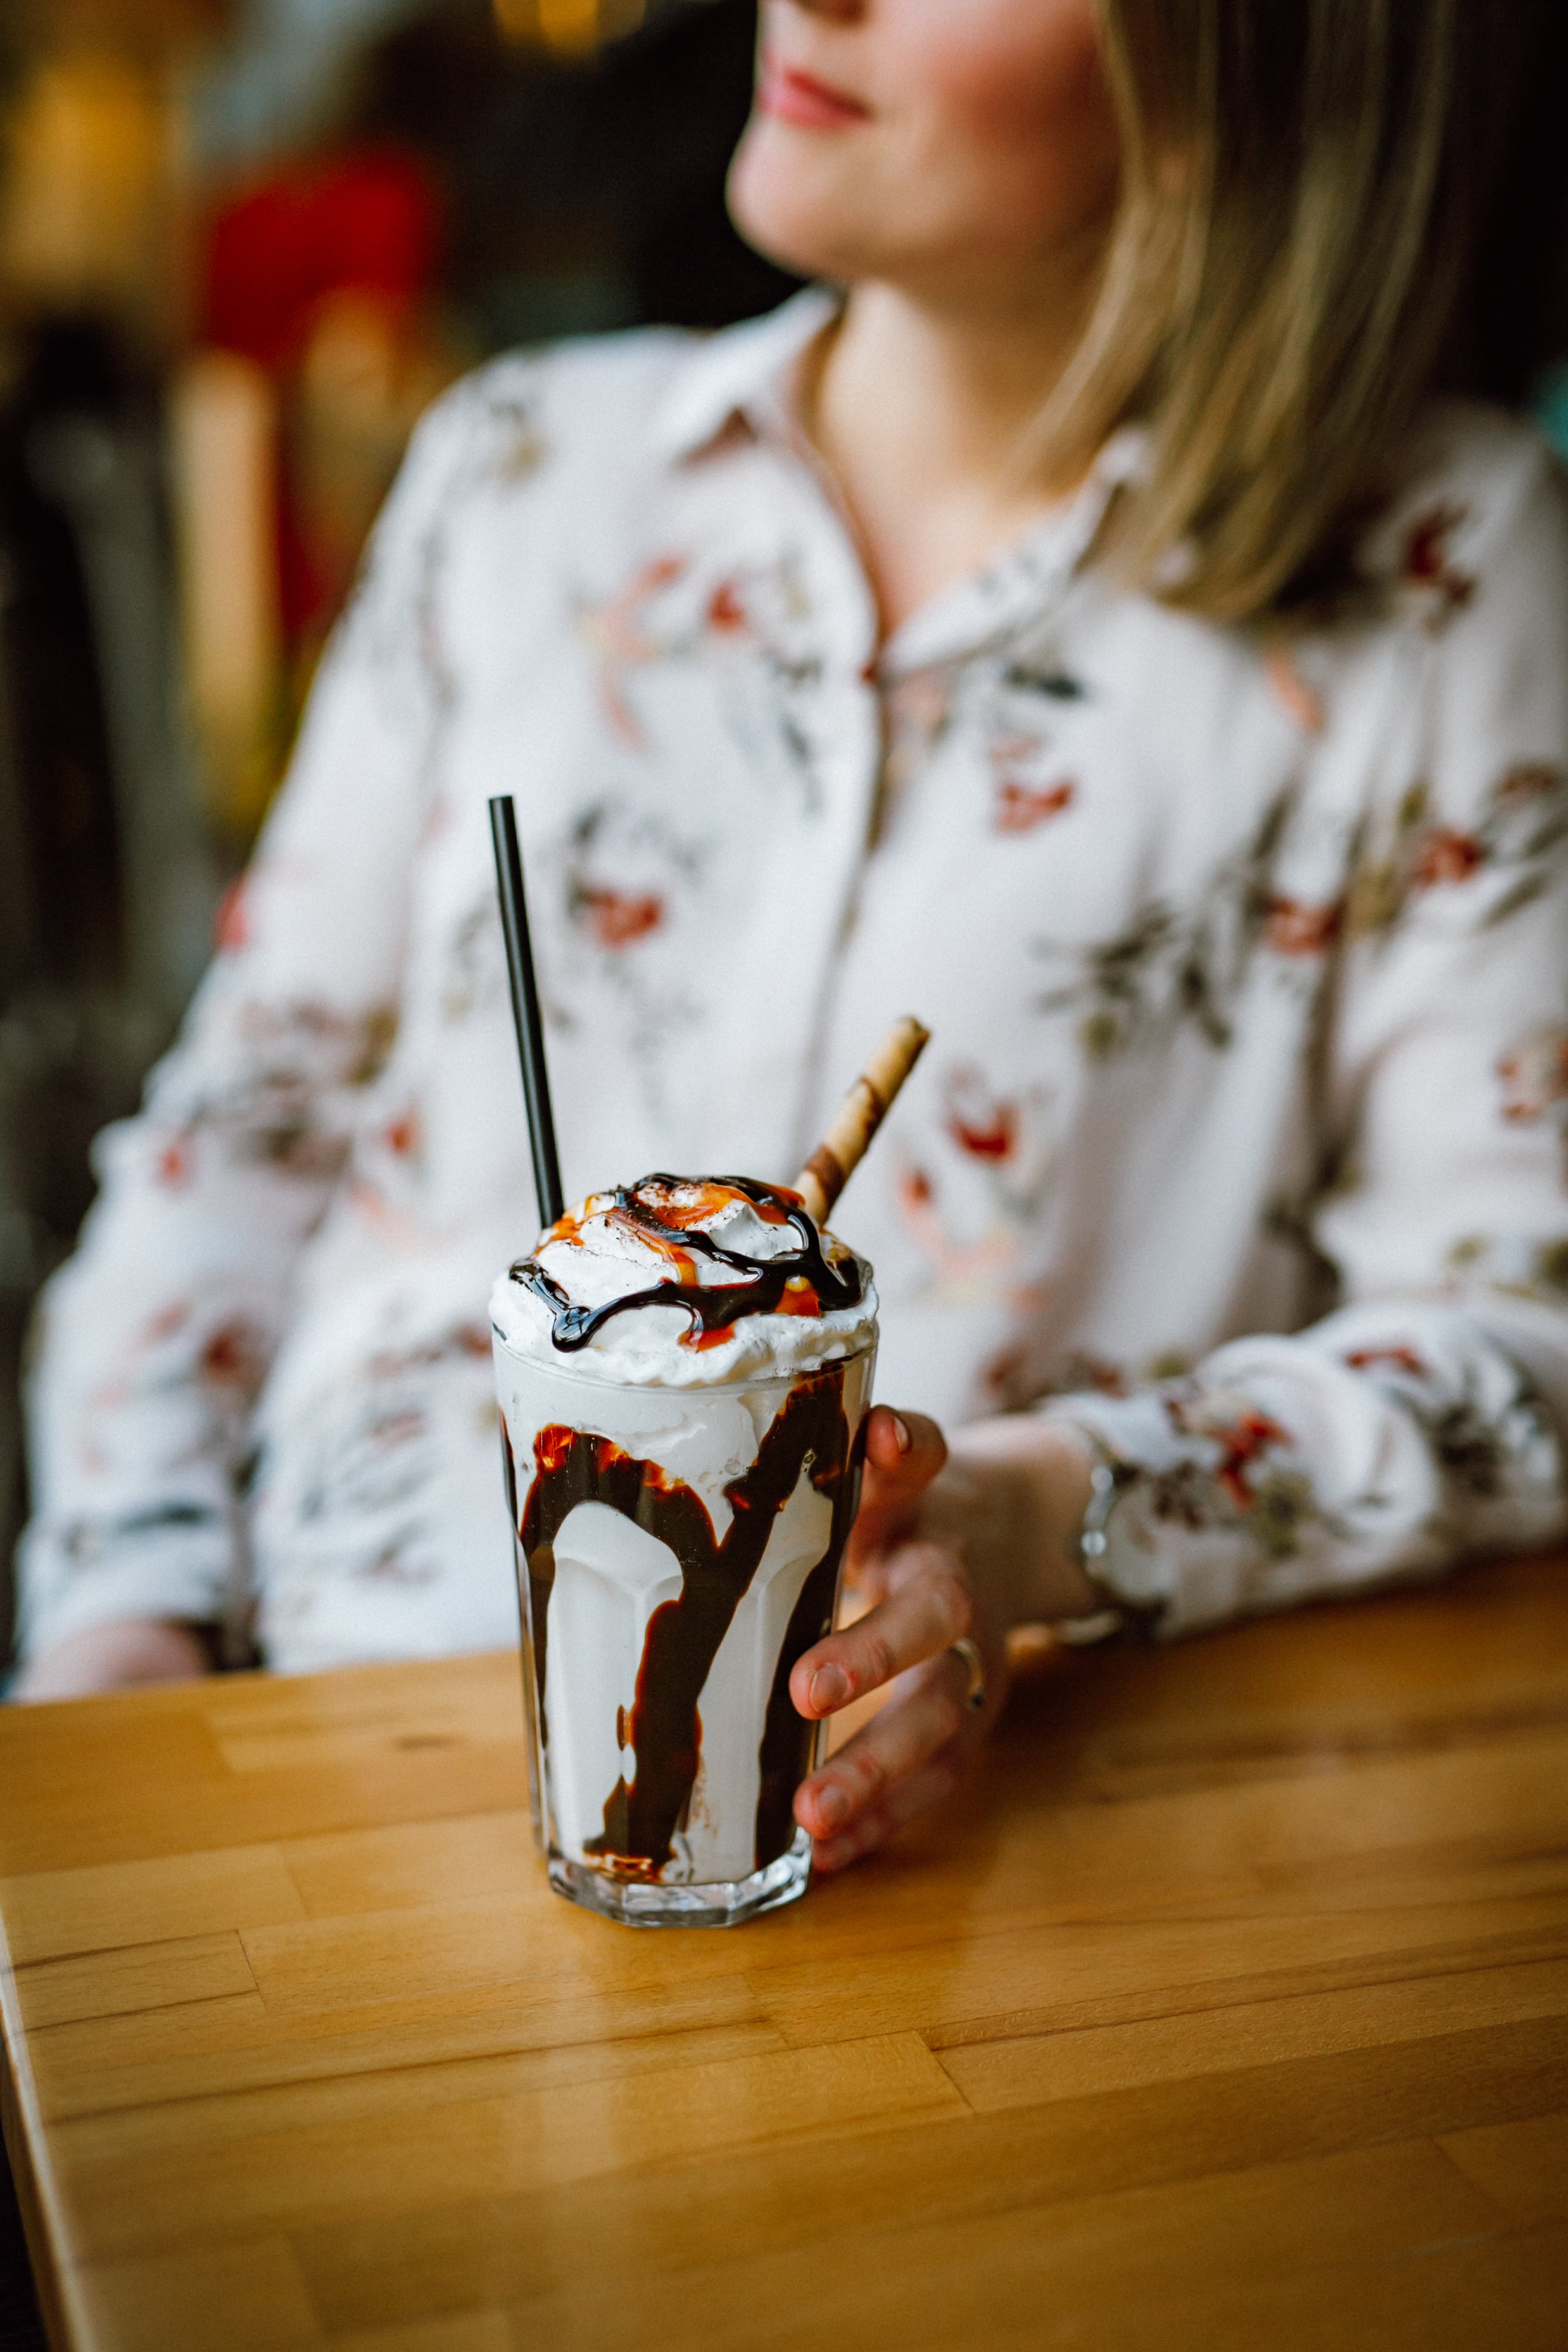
x=1083, y=634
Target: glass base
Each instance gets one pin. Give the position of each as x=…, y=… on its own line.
x=727, y=1904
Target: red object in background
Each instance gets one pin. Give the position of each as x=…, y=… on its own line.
x=368, y=223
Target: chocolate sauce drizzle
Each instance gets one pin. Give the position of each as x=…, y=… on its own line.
x=712, y=1307
x=663, y=1727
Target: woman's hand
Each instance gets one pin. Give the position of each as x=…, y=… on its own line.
x=113, y=1657
x=966, y=1540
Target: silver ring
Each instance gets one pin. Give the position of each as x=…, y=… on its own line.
x=975, y=1665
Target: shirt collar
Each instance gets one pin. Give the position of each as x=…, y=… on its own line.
x=749, y=372
x=1023, y=585
x=746, y=370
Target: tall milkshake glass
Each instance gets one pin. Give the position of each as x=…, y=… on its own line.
x=684, y=1368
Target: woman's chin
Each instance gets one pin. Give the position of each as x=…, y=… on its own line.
x=792, y=206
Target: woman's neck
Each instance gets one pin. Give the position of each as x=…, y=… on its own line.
x=920, y=412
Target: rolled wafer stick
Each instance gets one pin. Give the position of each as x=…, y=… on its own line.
x=862, y=1113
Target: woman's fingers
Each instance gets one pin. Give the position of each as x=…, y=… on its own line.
x=912, y=1753
x=904, y=1452
x=928, y=1609
x=869, y=1769
x=929, y=1785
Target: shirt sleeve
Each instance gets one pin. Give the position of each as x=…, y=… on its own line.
x=152, y=1341
x=1422, y=1422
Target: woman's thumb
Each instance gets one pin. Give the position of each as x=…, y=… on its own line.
x=904, y=1451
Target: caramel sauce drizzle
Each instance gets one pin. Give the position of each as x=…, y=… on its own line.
x=802, y=1281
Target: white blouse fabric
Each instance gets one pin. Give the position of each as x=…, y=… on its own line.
x=1246, y=964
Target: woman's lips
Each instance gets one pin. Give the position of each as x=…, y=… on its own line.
x=794, y=96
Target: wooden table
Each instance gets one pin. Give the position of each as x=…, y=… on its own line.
x=1228, y=2010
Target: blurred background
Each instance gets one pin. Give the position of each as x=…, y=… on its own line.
x=242, y=245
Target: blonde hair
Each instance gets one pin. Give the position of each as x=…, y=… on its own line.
x=1303, y=181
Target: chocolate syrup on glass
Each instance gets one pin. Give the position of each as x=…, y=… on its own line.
x=810, y=1435
x=712, y=1307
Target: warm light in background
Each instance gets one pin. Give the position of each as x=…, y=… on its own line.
x=89, y=183
x=571, y=28
x=224, y=455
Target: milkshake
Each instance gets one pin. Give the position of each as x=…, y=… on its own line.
x=684, y=1368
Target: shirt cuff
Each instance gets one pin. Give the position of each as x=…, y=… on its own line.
x=1382, y=1445
x=178, y=1562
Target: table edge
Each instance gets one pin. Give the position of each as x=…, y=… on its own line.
x=26, y=2151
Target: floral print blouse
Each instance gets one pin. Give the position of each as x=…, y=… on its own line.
x=1243, y=1128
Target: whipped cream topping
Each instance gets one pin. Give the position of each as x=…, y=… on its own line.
x=687, y=1281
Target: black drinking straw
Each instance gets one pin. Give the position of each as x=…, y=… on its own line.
x=525, y=1010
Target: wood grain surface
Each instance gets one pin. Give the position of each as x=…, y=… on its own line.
x=1227, y=2009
